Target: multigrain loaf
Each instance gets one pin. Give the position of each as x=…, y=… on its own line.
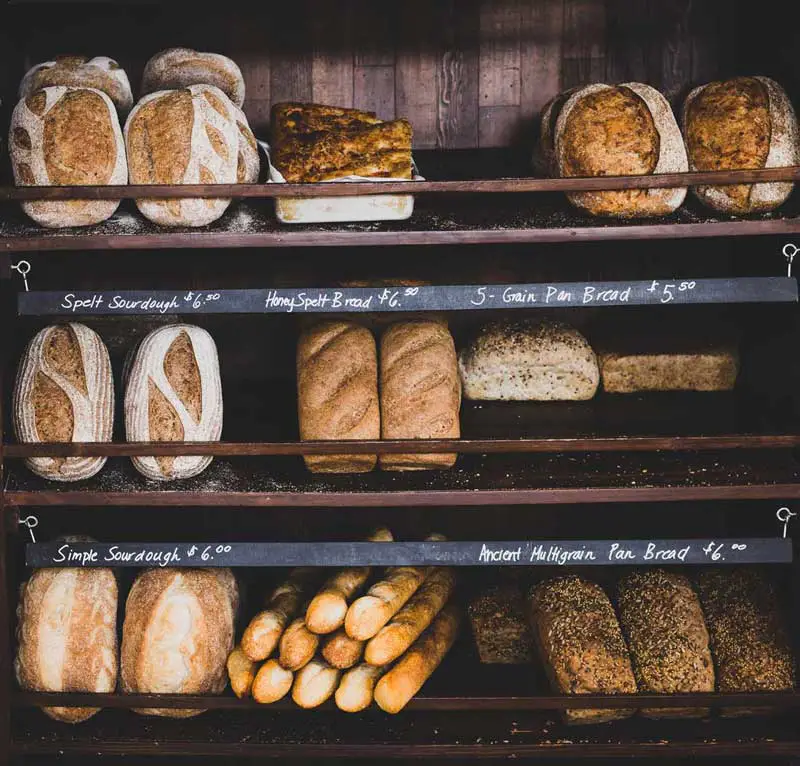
x=500, y=626
x=746, y=123
x=64, y=393
x=64, y=136
x=178, y=633
x=174, y=393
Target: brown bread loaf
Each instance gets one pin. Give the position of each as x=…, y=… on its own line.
x=272, y=683
x=500, y=626
x=341, y=651
x=241, y=672
x=298, y=645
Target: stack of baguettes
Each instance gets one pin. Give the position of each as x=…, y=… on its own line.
x=336, y=638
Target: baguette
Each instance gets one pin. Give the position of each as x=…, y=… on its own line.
x=315, y=684
x=406, y=678
x=357, y=687
x=341, y=651
x=298, y=645
x=241, y=672
x=272, y=683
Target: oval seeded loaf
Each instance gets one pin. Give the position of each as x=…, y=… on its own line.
x=64, y=393
x=64, y=136
x=741, y=124
x=174, y=393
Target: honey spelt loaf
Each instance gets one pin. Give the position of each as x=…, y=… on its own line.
x=100, y=72
x=337, y=392
x=63, y=136
x=64, y=393
x=178, y=633
x=746, y=123
x=581, y=644
x=668, y=639
x=501, y=627
x=420, y=391
x=529, y=361
x=174, y=393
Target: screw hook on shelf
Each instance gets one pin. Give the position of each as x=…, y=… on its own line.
x=790, y=252
x=785, y=515
x=31, y=522
x=23, y=268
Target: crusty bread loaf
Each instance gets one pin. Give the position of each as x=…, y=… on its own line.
x=500, y=626
x=178, y=633
x=174, y=393
x=298, y=645
x=341, y=651
x=420, y=391
x=337, y=392
x=315, y=684
x=67, y=633
x=605, y=130
x=100, y=72
x=357, y=687
x=64, y=136
x=241, y=672
x=272, y=683
x=581, y=644
x=746, y=123
x=529, y=361
x=181, y=67
x=64, y=393
x=662, y=619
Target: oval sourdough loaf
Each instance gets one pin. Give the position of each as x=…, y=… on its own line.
x=101, y=73
x=174, y=393
x=64, y=136
x=64, y=393
x=605, y=130
x=178, y=633
x=741, y=124
x=67, y=633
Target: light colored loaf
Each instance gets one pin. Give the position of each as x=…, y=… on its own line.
x=272, y=683
x=357, y=687
x=315, y=684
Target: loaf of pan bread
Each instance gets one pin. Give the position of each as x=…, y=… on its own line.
x=611, y=130
x=581, y=644
x=64, y=393
x=529, y=361
x=501, y=627
x=64, y=136
x=746, y=123
x=174, y=393
x=178, y=633
x=337, y=392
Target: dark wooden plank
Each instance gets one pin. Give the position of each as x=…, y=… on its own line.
x=252, y=56
x=584, y=50
x=374, y=90
x=332, y=63
x=290, y=56
x=374, y=33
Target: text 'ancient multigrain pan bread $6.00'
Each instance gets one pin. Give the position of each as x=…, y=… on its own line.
x=174, y=393
x=605, y=130
x=64, y=136
x=64, y=393
x=746, y=123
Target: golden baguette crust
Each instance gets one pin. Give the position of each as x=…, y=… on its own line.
x=272, y=683
x=241, y=672
x=341, y=651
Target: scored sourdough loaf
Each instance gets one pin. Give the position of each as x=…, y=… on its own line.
x=64, y=393
x=178, y=633
x=746, y=123
x=529, y=361
x=63, y=136
x=610, y=130
x=174, y=393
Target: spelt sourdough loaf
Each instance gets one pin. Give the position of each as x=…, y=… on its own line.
x=581, y=644
x=64, y=136
x=604, y=130
x=181, y=67
x=67, y=635
x=100, y=72
x=337, y=392
x=746, y=123
x=529, y=361
x=174, y=393
x=64, y=393
x=500, y=626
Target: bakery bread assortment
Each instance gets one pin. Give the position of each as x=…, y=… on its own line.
x=500, y=625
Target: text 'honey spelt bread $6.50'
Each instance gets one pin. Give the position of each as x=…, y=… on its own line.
x=174, y=393
x=64, y=393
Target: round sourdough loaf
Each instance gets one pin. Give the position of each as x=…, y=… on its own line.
x=181, y=67
x=177, y=634
x=612, y=130
x=101, y=73
x=64, y=393
x=64, y=136
x=741, y=124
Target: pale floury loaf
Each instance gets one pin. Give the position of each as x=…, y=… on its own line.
x=174, y=393
x=64, y=393
x=63, y=136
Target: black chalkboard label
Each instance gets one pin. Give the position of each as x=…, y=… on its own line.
x=314, y=300
x=524, y=553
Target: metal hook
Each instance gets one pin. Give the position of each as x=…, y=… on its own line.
x=31, y=522
x=785, y=515
x=790, y=251
x=23, y=268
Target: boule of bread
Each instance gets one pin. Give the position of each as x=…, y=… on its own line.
x=100, y=72
x=529, y=361
x=177, y=634
x=174, y=393
x=67, y=635
x=64, y=393
x=248, y=164
x=181, y=67
x=611, y=130
x=63, y=136
x=746, y=123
